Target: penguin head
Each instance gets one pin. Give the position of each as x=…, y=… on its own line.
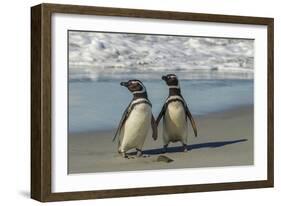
x=134, y=86
x=171, y=80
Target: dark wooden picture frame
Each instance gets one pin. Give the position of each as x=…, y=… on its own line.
x=41, y=117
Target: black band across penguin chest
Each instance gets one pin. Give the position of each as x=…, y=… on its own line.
x=172, y=99
x=175, y=105
x=138, y=102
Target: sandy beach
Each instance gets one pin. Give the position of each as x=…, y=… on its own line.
x=224, y=139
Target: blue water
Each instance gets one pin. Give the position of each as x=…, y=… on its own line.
x=99, y=105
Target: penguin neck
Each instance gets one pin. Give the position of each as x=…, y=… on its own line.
x=174, y=92
x=140, y=95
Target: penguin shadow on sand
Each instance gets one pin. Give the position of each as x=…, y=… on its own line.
x=175, y=149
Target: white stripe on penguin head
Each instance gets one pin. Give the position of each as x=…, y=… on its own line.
x=143, y=88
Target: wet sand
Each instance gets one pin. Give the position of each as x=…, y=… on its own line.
x=224, y=139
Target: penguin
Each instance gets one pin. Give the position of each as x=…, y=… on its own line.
x=175, y=113
x=136, y=120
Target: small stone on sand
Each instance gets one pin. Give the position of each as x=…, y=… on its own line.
x=163, y=158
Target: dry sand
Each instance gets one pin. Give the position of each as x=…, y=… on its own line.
x=224, y=139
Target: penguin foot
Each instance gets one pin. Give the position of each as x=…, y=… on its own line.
x=185, y=149
x=144, y=155
x=165, y=148
x=140, y=154
x=124, y=155
x=130, y=157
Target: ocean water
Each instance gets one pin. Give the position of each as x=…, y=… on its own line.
x=98, y=56
x=99, y=105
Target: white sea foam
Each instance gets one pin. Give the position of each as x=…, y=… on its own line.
x=104, y=56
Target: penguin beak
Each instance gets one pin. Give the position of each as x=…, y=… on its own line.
x=164, y=78
x=124, y=84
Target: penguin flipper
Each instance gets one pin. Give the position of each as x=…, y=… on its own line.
x=190, y=117
x=161, y=114
x=122, y=121
x=154, y=127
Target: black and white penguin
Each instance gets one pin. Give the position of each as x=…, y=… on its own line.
x=175, y=113
x=136, y=120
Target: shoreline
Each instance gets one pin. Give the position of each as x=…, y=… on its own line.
x=97, y=112
x=225, y=138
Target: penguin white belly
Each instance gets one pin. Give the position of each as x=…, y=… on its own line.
x=174, y=123
x=136, y=128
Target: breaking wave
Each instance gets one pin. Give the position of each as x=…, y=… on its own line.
x=96, y=56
